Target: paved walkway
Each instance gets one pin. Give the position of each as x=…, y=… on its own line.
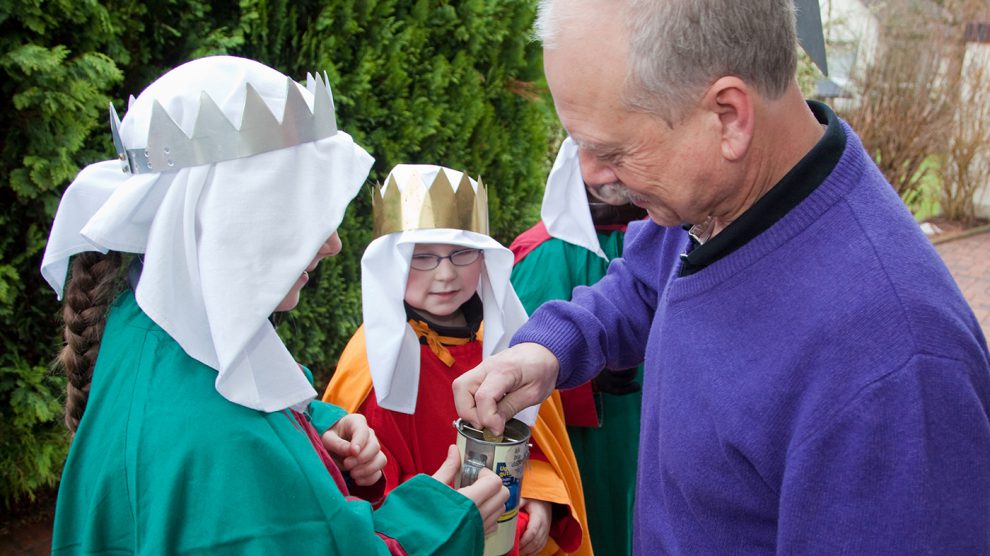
x=968, y=258
x=33, y=538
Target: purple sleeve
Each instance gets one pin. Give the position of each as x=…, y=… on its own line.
x=607, y=324
x=903, y=468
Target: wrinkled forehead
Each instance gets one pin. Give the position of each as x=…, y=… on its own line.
x=590, y=105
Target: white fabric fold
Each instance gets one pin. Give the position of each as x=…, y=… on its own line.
x=565, y=211
x=222, y=243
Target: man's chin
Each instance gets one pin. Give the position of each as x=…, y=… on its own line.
x=663, y=219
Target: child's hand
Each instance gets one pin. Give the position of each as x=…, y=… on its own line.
x=534, y=538
x=488, y=493
x=354, y=447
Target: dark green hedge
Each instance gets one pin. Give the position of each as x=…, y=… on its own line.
x=454, y=83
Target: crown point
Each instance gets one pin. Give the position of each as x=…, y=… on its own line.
x=441, y=197
x=210, y=120
x=296, y=111
x=323, y=108
x=167, y=138
x=377, y=212
x=480, y=211
x=256, y=114
x=466, y=199
x=310, y=83
x=390, y=208
x=118, y=144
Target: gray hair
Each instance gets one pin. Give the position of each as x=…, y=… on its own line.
x=545, y=26
x=680, y=47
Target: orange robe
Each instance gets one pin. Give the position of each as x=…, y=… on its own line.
x=418, y=443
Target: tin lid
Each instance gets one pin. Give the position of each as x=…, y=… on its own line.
x=516, y=432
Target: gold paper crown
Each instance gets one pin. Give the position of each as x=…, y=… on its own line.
x=416, y=207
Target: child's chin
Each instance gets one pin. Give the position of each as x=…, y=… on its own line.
x=289, y=303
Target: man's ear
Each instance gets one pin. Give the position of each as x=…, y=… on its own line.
x=733, y=102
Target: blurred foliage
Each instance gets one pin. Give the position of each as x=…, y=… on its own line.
x=451, y=83
x=424, y=82
x=56, y=84
x=808, y=74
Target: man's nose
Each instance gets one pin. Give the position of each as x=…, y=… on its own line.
x=595, y=172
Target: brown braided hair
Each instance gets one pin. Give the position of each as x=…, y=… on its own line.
x=94, y=283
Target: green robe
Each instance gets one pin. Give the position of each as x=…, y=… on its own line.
x=162, y=464
x=606, y=456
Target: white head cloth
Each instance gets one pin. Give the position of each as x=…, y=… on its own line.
x=222, y=243
x=565, y=211
x=393, y=348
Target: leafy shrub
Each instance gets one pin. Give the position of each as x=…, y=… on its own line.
x=442, y=82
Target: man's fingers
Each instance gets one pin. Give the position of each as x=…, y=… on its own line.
x=464, y=388
x=493, y=392
x=493, y=404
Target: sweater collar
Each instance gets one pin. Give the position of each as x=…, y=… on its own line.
x=793, y=188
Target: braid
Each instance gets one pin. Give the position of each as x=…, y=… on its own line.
x=92, y=286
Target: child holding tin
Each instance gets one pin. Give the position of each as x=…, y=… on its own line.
x=436, y=300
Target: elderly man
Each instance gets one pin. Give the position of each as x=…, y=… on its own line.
x=580, y=230
x=814, y=382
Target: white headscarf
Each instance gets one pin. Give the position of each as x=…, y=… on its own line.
x=393, y=348
x=222, y=243
x=565, y=211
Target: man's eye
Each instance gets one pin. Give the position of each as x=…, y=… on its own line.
x=610, y=157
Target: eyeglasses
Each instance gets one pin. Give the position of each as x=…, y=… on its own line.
x=429, y=261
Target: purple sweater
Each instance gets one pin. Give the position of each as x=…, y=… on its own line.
x=823, y=389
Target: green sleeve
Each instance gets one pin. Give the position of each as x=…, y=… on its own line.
x=324, y=415
x=162, y=463
x=427, y=517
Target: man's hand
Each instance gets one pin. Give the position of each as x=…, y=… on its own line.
x=490, y=394
x=354, y=447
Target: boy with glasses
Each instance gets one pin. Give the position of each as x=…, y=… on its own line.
x=430, y=278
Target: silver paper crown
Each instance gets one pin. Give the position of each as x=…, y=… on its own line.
x=214, y=138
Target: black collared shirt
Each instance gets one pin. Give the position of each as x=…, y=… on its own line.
x=793, y=188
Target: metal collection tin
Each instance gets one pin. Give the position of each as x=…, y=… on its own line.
x=507, y=459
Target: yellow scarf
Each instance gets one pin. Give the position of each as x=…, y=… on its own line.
x=438, y=344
